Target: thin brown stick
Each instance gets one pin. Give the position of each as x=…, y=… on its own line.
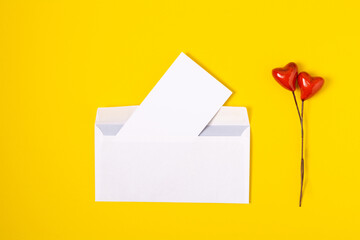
x=302, y=151
x=297, y=106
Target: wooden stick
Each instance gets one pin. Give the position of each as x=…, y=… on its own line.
x=302, y=152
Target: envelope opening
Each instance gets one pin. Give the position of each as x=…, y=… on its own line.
x=229, y=121
x=209, y=130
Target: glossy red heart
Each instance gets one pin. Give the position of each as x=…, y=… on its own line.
x=286, y=76
x=309, y=85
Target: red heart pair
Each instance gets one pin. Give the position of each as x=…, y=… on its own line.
x=287, y=76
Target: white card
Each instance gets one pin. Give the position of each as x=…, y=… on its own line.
x=182, y=103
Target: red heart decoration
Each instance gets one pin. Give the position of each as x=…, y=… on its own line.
x=286, y=76
x=309, y=85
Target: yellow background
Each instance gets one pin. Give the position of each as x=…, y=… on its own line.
x=61, y=60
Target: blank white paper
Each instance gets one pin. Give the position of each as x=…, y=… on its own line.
x=182, y=103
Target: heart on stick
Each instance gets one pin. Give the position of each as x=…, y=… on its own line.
x=309, y=85
x=286, y=76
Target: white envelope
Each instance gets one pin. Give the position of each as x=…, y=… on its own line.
x=211, y=168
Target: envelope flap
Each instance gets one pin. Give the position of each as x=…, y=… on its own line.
x=225, y=116
x=231, y=116
x=228, y=121
x=118, y=115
